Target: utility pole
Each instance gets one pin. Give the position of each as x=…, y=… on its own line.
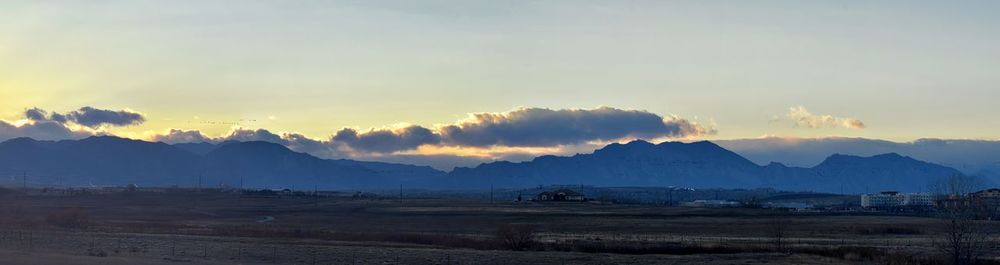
x=400, y=193
x=199, y=182
x=670, y=197
x=24, y=180
x=491, y=193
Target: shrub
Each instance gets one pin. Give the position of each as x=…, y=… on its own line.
x=97, y=253
x=68, y=218
x=516, y=237
x=885, y=230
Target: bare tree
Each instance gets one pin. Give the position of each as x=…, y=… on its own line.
x=777, y=228
x=516, y=237
x=964, y=238
x=957, y=185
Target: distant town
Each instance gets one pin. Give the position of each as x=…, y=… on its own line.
x=986, y=200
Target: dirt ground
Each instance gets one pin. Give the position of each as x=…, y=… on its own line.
x=365, y=255
x=198, y=228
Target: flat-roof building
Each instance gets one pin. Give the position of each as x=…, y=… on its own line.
x=893, y=199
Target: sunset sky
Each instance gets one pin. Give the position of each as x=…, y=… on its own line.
x=544, y=76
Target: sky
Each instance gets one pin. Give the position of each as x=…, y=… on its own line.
x=498, y=78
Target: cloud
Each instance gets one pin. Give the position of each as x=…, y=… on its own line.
x=88, y=116
x=40, y=130
x=40, y=124
x=36, y=114
x=526, y=127
x=386, y=140
x=547, y=127
x=301, y=143
x=294, y=141
x=182, y=136
x=247, y=135
x=802, y=117
x=93, y=117
x=519, y=134
x=523, y=127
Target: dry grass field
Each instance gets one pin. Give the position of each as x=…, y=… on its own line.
x=221, y=228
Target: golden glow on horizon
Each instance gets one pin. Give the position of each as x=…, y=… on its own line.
x=21, y=122
x=482, y=152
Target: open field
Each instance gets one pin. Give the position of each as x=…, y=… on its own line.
x=223, y=228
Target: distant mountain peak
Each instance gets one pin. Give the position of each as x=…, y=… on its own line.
x=701, y=145
x=887, y=157
x=891, y=156
x=105, y=138
x=629, y=145
x=666, y=144
x=704, y=143
x=19, y=141
x=776, y=164
x=101, y=139
x=639, y=142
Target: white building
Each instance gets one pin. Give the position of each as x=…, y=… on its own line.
x=711, y=204
x=798, y=206
x=892, y=199
x=918, y=200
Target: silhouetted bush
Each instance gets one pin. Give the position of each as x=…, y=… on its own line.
x=885, y=230
x=68, y=218
x=516, y=237
x=97, y=253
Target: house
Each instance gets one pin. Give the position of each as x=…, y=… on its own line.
x=984, y=204
x=560, y=195
x=989, y=193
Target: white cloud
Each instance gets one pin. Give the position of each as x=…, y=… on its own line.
x=804, y=118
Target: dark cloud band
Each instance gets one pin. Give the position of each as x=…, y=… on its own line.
x=387, y=141
x=88, y=116
x=546, y=127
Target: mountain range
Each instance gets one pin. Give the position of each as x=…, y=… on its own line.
x=706, y=165
x=972, y=157
x=108, y=160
